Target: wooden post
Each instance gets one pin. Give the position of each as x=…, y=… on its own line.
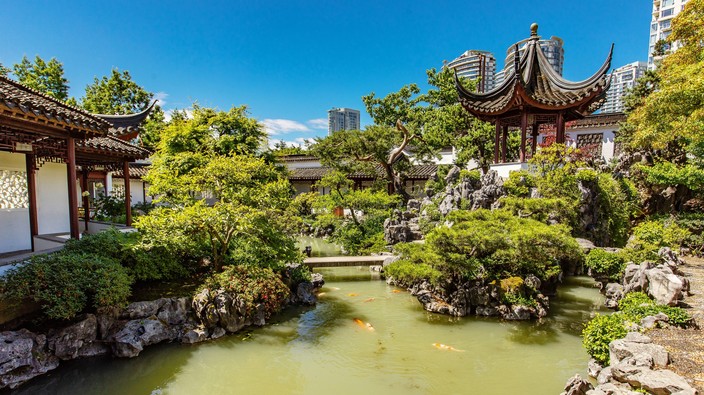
x=560, y=138
x=86, y=199
x=128, y=198
x=524, y=131
x=497, y=140
x=72, y=198
x=504, y=137
x=32, y=196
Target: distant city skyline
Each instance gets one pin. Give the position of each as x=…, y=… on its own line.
x=290, y=62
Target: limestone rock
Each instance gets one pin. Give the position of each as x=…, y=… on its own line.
x=77, y=340
x=613, y=293
x=23, y=355
x=654, y=321
x=134, y=335
x=664, y=286
x=195, y=335
x=577, y=386
x=657, y=382
x=637, y=349
x=594, y=368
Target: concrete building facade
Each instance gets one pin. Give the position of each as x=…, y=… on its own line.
x=661, y=27
x=476, y=65
x=622, y=79
x=343, y=119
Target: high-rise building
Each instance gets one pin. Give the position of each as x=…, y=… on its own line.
x=476, y=65
x=342, y=119
x=552, y=49
x=622, y=79
x=661, y=26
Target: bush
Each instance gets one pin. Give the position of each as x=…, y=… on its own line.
x=143, y=260
x=66, y=283
x=541, y=209
x=637, y=305
x=649, y=236
x=253, y=285
x=605, y=264
x=599, y=332
x=472, y=176
x=519, y=183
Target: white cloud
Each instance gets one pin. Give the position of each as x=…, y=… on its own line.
x=161, y=98
x=298, y=142
x=169, y=113
x=318, y=123
x=276, y=127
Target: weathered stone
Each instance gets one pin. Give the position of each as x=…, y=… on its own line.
x=142, y=309
x=637, y=349
x=305, y=294
x=670, y=259
x=605, y=375
x=613, y=293
x=390, y=259
x=635, y=278
x=532, y=281
x=664, y=286
x=585, y=245
x=657, y=382
x=195, y=335
x=613, y=389
x=78, y=340
x=654, y=321
x=516, y=312
x=413, y=204
x=577, y=386
x=218, y=333
x=131, y=339
x=452, y=175
x=594, y=368
x=23, y=355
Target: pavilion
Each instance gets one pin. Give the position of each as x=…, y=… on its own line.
x=534, y=95
x=46, y=146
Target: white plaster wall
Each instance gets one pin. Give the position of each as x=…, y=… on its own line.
x=607, y=143
x=14, y=223
x=52, y=199
x=503, y=169
x=302, y=164
x=136, y=190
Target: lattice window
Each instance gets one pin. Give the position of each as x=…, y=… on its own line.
x=591, y=143
x=13, y=189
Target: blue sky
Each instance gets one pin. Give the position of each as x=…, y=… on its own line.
x=291, y=61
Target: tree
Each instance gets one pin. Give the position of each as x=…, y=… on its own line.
x=667, y=120
x=46, y=77
x=4, y=71
x=218, y=200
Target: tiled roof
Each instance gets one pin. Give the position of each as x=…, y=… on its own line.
x=137, y=170
x=297, y=158
x=14, y=95
x=126, y=124
x=113, y=146
x=417, y=172
x=597, y=120
x=533, y=82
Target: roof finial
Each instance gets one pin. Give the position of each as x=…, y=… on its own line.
x=534, y=29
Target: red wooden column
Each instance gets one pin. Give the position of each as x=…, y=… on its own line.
x=86, y=199
x=72, y=198
x=497, y=141
x=524, y=127
x=128, y=197
x=32, y=195
x=560, y=138
x=504, y=137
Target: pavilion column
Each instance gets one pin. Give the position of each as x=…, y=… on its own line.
x=534, y=142
x=524, y=127
x=504, y=137
x=86, y=199
x=128, y=197
x=32, y=196
x=72, y=198
x=497, y=140
x=560, y=138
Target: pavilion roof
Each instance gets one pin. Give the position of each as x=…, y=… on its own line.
x=533, y=83
x=137, y=170
x=126, y=125
x=29, y=106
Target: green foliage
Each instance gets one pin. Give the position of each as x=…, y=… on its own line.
x=66, y=283
x=142, y=259
x=253, y=285
x=110, y=208
x=599, y=332
x=46, y=77
x=470, y=175
x=407, y=272
x=604, y=263
x=637, y=305
x=664, y=174
x=519, y=183
x=118, y=94
x=545, y=210
x=649, y=236
x=494, y=245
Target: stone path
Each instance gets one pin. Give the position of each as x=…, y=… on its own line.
x=686, y=346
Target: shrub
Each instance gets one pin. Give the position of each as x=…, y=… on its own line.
x=599, y=332
x=605, y=264
x=66, y=283
x=253, y=285
x=541, y=209
x=637, y=305
x=519, y=183
x=470, y=175
x=649, y=236
x=407, y=272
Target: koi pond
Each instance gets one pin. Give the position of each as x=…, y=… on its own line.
x=363, y=337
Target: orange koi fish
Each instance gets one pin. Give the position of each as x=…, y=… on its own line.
x=368, y=300
x=363, y=325
x=321, y=294
x=352, y=294
x=396, y=291
x=445, y=347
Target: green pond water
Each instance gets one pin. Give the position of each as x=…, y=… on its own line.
x=321, y=350
x=319, y=247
